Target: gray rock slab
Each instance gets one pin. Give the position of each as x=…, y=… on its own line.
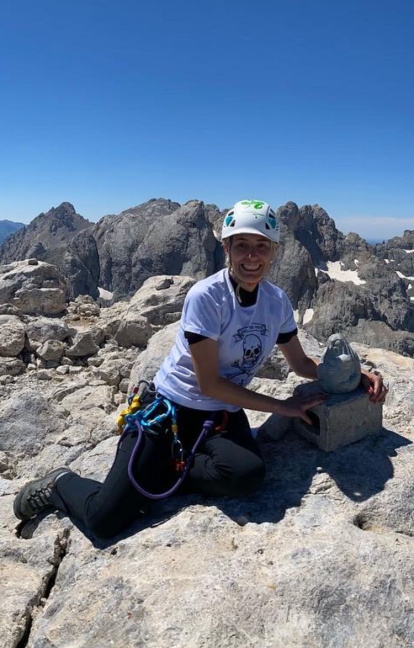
x=83, y=345
x=35, y=289
x=161, y=298
x=236, y=585
x=29, y=422
x=11, y=366
x=150, y=360
x=42, y=329
x=27, y=568
x=12, y=332
x=51, y=350
x=320, y=557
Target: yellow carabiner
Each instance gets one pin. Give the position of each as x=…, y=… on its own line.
x=133, y=407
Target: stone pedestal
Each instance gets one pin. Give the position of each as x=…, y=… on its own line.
x=341, y=419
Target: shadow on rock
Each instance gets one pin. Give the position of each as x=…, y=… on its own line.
x=360, y=471
x=157, y=513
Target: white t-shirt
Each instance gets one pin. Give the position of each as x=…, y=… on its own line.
x=245, y=336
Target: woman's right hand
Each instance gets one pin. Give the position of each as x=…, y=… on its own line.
x=297, y=406
x=204, y=355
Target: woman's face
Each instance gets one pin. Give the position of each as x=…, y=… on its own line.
x=250, y=257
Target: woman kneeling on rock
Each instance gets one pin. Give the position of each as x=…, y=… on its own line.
x=229, y=326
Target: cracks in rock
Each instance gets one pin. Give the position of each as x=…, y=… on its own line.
x=40, y=599
x=407, y=534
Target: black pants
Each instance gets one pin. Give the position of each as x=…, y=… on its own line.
x=227, y=463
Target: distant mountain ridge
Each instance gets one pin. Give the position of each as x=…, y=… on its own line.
x=336, y=283
x=52, y=237
x=8, y=227
x=48, y=230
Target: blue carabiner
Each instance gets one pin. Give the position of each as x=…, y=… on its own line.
x=160, y=417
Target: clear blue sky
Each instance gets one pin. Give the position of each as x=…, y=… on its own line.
x=109, y=103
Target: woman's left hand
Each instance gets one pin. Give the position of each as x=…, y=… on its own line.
x=375, y=386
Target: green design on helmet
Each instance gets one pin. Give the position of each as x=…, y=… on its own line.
x=256, y=204
x=251, y=217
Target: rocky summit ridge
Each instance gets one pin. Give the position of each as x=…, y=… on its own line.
x=336, y=283
x=320, y=557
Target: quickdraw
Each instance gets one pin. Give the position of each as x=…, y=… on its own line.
x=134, y=404
x=135, y=417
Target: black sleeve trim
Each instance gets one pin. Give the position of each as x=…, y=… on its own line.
x=194, y=337
x=285, y=337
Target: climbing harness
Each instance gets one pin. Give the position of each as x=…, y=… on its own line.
x=144, y=421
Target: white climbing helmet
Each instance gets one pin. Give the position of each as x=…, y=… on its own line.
x=251, y=217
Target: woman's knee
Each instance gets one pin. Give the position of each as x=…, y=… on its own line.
x=242, y=480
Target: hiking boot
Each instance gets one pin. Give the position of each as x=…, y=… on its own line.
x=35, y=497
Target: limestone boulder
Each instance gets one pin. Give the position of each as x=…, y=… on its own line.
x=42, y=329
x=29, y=421
x=126, y=328
x=33, y=287
x=149, y=361
x=157, y=303
x=113, y=370
x=111, y=316
x=160, y=299
x=51, y=350
x=84, y=308
x=90, y=405
x=134, y=330
x=98, y=335
x=276, y=366
x=11, y=367
x=12, y=335
x=83, y=344
x=9, y=309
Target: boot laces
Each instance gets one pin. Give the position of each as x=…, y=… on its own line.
x=40, y=498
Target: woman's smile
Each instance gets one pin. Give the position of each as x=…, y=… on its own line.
x=250, y=257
